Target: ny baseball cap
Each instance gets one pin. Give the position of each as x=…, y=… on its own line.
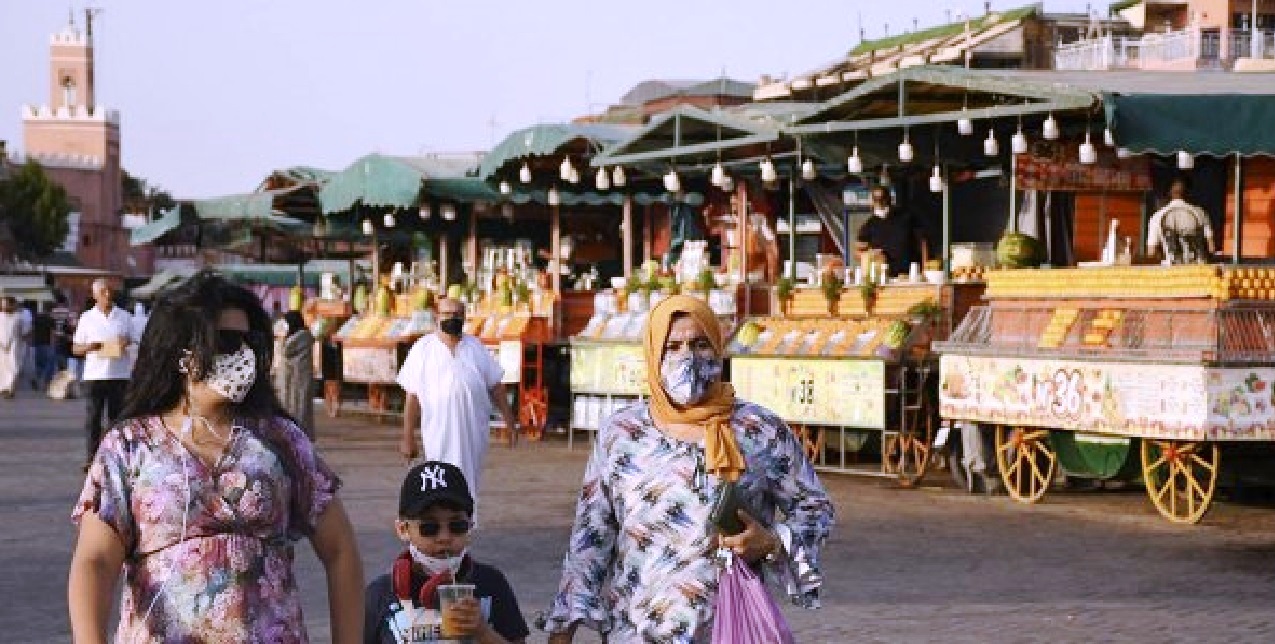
x=430, y=483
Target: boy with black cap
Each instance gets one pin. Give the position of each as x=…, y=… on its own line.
x=435, y=511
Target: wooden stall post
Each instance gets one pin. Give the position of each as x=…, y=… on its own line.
x=443, y=260
x=1238, y=255
x=555, y=243
x=471, y=243
x=646, y=235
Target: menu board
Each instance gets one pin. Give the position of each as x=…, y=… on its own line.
x=1184, y=402
x=618, y=368
x=843, y=393
x=1058, y=168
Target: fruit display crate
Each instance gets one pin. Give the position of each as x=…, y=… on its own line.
x=1215, y=282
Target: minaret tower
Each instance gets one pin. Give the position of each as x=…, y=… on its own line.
x=78, y=143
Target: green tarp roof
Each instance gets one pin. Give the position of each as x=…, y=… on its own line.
x=687, y=131
x=167, y=222
x=398, y=181
x=545, y=140
x=1218, y=124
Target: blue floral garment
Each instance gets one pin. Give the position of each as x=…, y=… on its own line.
x=641, y=565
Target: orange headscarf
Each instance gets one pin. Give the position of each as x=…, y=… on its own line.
x=721, y=452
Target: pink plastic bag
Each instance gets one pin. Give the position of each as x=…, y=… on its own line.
x=746, y=613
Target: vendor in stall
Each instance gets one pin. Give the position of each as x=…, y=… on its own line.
x=893, y=233
x=1180, y=229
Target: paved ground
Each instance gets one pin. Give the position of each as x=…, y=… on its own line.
x=904, y=566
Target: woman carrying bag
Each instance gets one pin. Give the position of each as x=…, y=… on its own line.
x=646, y=552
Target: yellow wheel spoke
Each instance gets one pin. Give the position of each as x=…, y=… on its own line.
x=1158, y=462
x=1195, y=485
x=1202, y=463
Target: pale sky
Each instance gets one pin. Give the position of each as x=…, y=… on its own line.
x=216, y=94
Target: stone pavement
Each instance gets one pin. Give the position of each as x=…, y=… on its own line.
x=903, y=566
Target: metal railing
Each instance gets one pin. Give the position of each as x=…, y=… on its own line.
x=1150, y=50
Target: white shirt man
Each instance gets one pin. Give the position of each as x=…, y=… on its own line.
x=1176, y=222
x=104, y=336
x=452, y=381
x=10, y=346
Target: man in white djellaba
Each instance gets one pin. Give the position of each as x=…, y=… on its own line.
x=11, y=346
x=452, y=381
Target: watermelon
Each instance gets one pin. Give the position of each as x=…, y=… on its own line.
x=360, y=298
x=295, y=298
x=1017, y=250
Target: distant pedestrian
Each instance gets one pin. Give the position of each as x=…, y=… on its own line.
x=452, y=381
x=10, y=346
x=44, y=357
x=103, y=336
x=297, y=369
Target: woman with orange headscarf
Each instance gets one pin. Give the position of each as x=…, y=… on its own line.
x=641, y=565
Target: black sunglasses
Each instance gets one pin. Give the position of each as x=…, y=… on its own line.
x=431, y=529
x=229, y=340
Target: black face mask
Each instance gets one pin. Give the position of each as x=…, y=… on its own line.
x=452, y=326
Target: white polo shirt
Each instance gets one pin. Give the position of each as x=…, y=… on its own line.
x=95, y=326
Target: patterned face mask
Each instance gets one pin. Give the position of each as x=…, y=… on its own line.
x=687, y=376
x=233, y=374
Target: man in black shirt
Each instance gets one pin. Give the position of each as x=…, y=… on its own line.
x=42, y=349
x=891, y=232
x=435, y=513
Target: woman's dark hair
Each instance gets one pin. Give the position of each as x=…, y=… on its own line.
x=295, y=321
x=185, y=319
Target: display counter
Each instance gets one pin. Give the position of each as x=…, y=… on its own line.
x=373, y=348
x=1080, y=368
x=854, y=377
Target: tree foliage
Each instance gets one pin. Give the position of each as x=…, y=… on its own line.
x=141, y=197
x=35, y=210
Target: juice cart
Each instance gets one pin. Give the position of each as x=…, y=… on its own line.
x=517, y=342
x=373, y=348
x=855, y=376
x=1120, y=373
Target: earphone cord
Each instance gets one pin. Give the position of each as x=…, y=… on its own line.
x=172, y=570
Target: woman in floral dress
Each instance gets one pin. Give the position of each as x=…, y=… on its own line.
x=641, y=562
x=199, y=492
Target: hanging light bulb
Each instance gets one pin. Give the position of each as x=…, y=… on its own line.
x=855, y=163
x=1088, y=154
x=672, y=182
x=575, y=175
x=505, y=188
x=1185, y=160
x=1109, y=138
x=388, y=220
x=808, y=170
x=555, y=199
x=1018, y=144
x=449, y=211
x=564, y=170
x=603, y=181
x=964, y=126
x=728, y=183
x=990, y=147
x=1123, y=153
x=617, y=178
x=524, y=175
x=936, y=179
x=368, y=229
x=906, y=153
x=718, y=175
x=1050, y=129
x=768, y=172
x=883, y=179
x=426, y=212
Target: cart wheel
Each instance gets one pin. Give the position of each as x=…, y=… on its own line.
x=533, y=414
x=811, y=441
x=908, y=453
x=1181, y=477
x=1026, y=461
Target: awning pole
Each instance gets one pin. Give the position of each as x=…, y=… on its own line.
x=792, y=224
x=1013, y=192
x=1238, y=255
x=741, y=238
x=627, y=230
x=555, y=241
x=947, y=223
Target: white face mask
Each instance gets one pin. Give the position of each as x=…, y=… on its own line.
x=233, y=375
x=435, y=565
x=686, y=377
x=880, y=212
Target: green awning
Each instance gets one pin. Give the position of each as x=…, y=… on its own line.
x=548, y=139
x=166, y=223
x=160, y=281
x=1214, y=124
x=286, y=274
x=380, y=180
x=688, y=134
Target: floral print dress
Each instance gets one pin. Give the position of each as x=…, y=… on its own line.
x=220, y=571
x=640, y=564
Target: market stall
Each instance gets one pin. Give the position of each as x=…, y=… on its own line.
x=850, y=370
x=1119, y=372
